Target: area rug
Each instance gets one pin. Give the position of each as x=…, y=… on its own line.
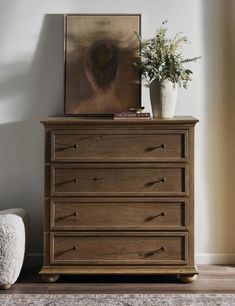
x=117, y=299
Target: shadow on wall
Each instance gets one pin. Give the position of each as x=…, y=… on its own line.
x=47, y=88
x=230, y=117
x=218, y=146
x=214, y=125
x=37, y=87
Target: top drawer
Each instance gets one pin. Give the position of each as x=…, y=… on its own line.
x=119, y=145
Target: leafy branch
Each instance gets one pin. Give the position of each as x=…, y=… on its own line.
x=161, y=58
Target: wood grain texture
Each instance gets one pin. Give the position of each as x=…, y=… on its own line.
x=115, y=190
x=177, y=120
x=157, y=214
x=211, y=279
x=75, y=145
x=119, y=270
x=123, y=248
x=119, y=179
x=191, y=197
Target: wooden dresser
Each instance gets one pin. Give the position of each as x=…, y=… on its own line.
x=119, y=197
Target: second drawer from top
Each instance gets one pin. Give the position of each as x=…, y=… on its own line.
x=119, y=179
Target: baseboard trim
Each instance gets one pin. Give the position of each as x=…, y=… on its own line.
x=35, y=259
x=215, y=259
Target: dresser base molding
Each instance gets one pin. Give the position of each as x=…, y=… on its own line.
x=75, y=270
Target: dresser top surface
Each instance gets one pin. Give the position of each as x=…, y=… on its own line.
x=61, y=120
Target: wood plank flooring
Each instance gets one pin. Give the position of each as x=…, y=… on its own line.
x=211, y=279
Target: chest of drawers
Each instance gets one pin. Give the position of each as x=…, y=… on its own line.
x=119, y=197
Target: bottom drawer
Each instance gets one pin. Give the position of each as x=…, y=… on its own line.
x=140, y=248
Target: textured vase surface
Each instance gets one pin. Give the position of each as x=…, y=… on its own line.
x=163, y=96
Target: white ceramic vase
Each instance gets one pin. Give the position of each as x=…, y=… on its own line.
x=163, y=96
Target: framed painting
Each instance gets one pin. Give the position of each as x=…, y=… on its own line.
x=100, y=78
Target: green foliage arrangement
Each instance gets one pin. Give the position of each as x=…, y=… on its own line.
x=161, y=58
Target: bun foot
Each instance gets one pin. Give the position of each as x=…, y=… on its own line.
x=188, y=278
x=50, y=278
x=5, y=287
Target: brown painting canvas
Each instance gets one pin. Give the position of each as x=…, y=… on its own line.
x=99, y=73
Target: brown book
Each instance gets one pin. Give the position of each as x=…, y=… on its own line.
x=131, y=115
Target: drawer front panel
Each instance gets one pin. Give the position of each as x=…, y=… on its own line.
x=77, y=214
x=119, y=248
x=153, y=145
x=107, y=179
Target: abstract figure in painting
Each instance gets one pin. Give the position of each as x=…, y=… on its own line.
x=99, y=54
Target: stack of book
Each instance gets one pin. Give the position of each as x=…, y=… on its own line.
x=132, y=115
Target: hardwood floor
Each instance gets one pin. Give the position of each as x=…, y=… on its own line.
x=212, y=279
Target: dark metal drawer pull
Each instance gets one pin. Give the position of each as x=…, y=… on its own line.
x=95, y=179
x=75, y=214
x=61, y=146
x=150, y=253
x=162, y=214
x=75, y=180
x=74, y=248
x=162, y=180
x=149, y=149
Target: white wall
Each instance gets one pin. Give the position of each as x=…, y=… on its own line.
x=31, y=88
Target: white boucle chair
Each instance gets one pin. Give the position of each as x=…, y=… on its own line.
x=13, y=229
